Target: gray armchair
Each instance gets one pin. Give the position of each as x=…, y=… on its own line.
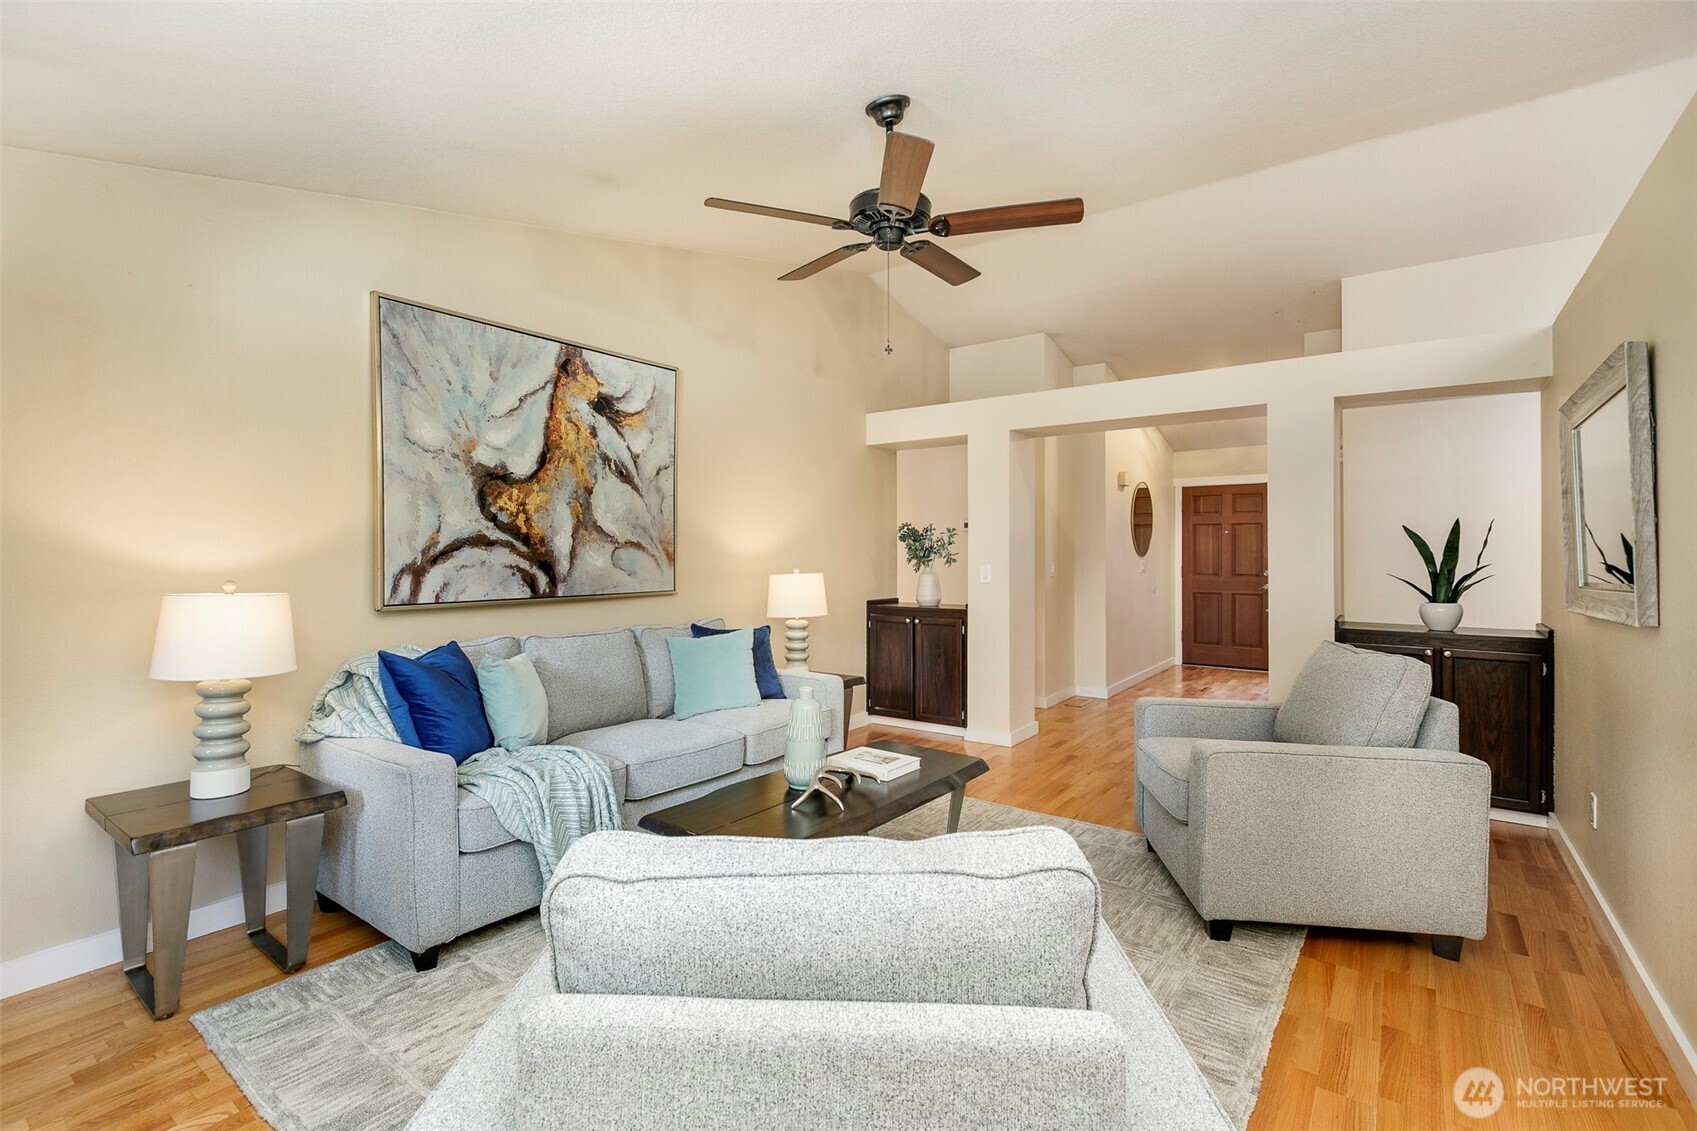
x=1391, y=838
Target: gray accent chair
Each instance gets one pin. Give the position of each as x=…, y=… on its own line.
x=1390, y=832
x=424, y=861
x=739, y=984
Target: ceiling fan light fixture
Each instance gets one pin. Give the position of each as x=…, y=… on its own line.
x=896, y=210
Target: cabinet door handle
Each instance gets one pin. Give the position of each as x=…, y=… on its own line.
x=1448, y=654
x=1428, y=651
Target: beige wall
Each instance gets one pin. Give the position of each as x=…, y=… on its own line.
x=187, y=398
x=931, y=488
x=1626, y=719
x=1424, y=464
x=1220, y=461
x=1140, y=598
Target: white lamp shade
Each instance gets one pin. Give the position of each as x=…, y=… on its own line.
x=223, y=636
x=796, y=595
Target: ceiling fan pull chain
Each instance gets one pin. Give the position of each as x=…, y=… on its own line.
x=887, y=348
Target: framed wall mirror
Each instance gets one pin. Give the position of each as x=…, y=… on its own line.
x=1142, y=519
x=1608, y=488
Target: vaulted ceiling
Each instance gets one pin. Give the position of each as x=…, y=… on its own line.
x=1235, y=159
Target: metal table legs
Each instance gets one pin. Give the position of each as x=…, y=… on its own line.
x=158, y=886
x=302, y=838
x=160, y=883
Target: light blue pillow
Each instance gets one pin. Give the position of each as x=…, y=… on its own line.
x=713, y=673
x=513, y=701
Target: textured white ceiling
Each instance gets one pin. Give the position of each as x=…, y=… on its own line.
x=617, y=119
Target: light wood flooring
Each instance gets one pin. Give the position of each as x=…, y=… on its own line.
x=1374, y=1032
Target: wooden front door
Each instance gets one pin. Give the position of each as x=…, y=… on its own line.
x=1225, y=576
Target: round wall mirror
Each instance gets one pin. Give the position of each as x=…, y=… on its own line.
x=1142, y=519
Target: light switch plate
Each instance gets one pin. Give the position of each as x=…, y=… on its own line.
x=984, y=573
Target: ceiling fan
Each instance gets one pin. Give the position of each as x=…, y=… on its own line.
x=896, y=210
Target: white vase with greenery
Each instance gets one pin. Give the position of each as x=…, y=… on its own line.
x=924, y=546
x=1441, y=611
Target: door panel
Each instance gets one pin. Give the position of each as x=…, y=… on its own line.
x=889, y=665
x=1205, y=620
x=1499, y=697
x=1224, y=598
x=939, y=649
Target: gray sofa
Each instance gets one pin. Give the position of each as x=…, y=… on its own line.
x=1363, y=834
x=736, y=983
x=424, y=861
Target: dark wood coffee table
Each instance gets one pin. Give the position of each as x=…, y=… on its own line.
x=761, y=806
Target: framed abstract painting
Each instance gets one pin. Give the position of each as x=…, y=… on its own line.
x=513, y=466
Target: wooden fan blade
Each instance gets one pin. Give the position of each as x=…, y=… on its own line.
x=939, y=262
x=905, y=160
x=824, y=261
x=1039, y=214
x=779, y=213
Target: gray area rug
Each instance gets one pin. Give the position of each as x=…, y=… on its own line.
x=358, y=1044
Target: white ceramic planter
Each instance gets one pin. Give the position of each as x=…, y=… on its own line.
x=930, y=590
x=1441, y=617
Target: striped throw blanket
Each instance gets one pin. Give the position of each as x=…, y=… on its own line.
x=546, y=796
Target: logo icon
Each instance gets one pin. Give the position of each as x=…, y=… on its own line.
x=1478, y=1093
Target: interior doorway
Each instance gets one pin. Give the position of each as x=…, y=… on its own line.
x=1223, y=571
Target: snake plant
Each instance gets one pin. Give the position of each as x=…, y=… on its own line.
x=1446, y=587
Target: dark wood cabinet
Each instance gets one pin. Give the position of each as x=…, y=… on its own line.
x=1502, y=681
x=916, y=662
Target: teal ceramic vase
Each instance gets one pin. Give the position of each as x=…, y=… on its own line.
x=804, y=743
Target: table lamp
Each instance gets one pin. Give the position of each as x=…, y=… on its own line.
x=222, y=641
x=795, y=596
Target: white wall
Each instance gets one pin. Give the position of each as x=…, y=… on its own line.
x=1220, y=461
x=1502, y=290
x=187, y=397
x=1140, y=601
x=1424, y=464
x=1011, y=365
x=931, y=488
x=1300, y=396
x=1056, y=566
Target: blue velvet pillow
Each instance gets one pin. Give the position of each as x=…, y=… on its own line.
x=765, y=671
x=434, y=701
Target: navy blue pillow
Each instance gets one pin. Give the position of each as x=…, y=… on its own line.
x=765, y=671
x=434, y=701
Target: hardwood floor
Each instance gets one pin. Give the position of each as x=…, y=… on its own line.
x=1374, y=1032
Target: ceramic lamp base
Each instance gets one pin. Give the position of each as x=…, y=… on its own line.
x=204, y=784
x=795, y=645
x=220, y=757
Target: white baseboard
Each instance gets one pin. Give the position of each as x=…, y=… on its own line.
x=1125, y=684
x=1003, y=737
x=860, y=719
x=1674, y=1041
x=914, y=724
x=67, y=960
x=1515, y=817
x=1044, y=702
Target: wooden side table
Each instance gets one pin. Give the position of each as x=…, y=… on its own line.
x=154, y=833
x=850, y=682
